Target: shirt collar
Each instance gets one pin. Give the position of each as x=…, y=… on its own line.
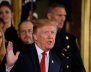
x=39, y=50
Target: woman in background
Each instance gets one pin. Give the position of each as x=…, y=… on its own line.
x=6, y=14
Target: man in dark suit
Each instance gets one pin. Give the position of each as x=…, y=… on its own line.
x=65, y=45
x=30, y=59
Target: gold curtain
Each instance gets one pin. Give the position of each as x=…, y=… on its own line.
x=90, y=38
x=17, y=5
x=86, y=34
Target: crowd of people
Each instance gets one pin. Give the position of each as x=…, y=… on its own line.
x=39, y=45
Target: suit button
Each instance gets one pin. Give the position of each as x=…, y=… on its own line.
x=67, y=66
x=67, y=37
x=63, y=54
x=68, y=46
x=65, y=50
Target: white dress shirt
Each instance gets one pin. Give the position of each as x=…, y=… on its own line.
x=39, y=52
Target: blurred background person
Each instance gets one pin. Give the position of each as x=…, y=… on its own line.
x=6, y=13
x=65, y=45
x=25, y=30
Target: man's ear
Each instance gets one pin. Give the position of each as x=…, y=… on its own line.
x=35, y=37
x=49, y=15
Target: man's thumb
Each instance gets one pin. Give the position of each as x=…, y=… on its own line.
x=17, y=53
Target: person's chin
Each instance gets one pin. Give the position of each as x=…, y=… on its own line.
x=50, y=47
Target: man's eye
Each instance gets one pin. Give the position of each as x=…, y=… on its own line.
x=22, y=31
x=30, y=30
x=7, y=12
x=0, y=12
x=53, y=32
x=0, y=36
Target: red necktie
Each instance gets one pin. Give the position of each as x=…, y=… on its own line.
x=42, y=63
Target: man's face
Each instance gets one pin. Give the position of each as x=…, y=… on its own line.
x=45, y=37
x=25, y=32
x=58, y=14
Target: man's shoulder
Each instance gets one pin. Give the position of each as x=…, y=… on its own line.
x=66, y=35
x=70, y=35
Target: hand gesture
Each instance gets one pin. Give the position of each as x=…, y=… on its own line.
x=11, y=58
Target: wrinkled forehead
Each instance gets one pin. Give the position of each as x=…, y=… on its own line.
x=47, y=28
x=59, y=10
x=25, y=25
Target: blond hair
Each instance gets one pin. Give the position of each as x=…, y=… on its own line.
x=2, y=48
x=43, y=22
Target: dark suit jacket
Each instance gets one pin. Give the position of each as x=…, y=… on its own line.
x=11, y=34
x=28, y=61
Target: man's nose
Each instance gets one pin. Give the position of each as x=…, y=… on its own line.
x=50, y=36
x=27, y=33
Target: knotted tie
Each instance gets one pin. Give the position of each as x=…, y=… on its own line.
x=42, y=63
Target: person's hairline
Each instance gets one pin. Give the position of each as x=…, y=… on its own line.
x=54, y=6
x=24, y=22
x=44, y=23
x=6, y=4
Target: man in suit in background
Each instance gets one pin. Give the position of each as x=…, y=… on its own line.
x=36, y=57
x=65, y=45
x=25, y=31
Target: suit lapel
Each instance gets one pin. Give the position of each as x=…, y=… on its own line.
x=35, y=59
x=54, y=66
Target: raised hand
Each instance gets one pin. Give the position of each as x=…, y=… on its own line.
x=11, y=58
